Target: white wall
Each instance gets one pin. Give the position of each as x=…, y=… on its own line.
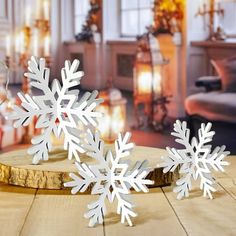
x=196, y=60
x=5, y=24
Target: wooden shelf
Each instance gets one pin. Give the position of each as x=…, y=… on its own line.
x=215, y=44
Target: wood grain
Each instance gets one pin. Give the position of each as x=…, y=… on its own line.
x=15, y=203
x=201, y=216
x=16, y=168
x=155, y=217
x=25, y=211
x=57, y=212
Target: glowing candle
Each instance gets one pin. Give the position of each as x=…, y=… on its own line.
x=27, y=16
x=47, y=46
x=8, y=45
x=17, y=43
x=46, y=10
x=38, y=10
x=35, y=43
x=22, y=42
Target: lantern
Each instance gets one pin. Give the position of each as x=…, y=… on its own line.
x=149, y=79
x=114, y=114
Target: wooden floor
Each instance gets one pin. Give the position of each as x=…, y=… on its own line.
x=35, y=212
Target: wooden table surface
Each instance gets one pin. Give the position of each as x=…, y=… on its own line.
x=35, y=212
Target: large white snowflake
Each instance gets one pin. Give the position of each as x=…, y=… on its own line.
x=57, y=109
x=111, y=178
x=196, y=159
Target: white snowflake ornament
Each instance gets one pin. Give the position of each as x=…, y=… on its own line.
x=111, y=178
x=196, y=159
x=57, y=109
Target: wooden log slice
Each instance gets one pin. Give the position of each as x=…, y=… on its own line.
x=16, y=168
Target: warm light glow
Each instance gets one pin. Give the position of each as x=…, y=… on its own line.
x=35, y=43
x=148, y=80
x=17, y=43
x=27, y=16
x=10, y=105
x=104, y=122
x=22, y=42
x=117, y=120
x=47, y=46
x=145, y=82
x=46, y=8
x=112, y=122
x=8, y=45
x=172, y=5
x=39, y=9
x=57, y=141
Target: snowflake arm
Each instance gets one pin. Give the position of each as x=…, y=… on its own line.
x=216, y=159
x=183, y=186
x=173, y=160
x=95, y=146
x=124, y=207
x=182, y=134
x=134, y=178
x=39, y=78
x=41, y=146
x=57, y=109
x=91, y=175
x=122, y=147
x=195, y=160
x=72, y=143
x=111, y=177
x=88, y=176
x=37, y=107
x=208, y=160
x=85, y=110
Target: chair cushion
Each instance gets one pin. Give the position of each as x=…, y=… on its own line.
x=226, y=69
x=215, y=106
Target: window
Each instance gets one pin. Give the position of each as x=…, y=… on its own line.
x=135, y=16
x=228, y=21
x=81, y=11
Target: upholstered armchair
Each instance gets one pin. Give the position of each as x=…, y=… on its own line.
x=217, y=104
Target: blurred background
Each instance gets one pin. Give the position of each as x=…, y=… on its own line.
x=153, y=61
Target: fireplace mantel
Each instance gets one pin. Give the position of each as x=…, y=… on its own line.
x=228, y=44
x=215, y=50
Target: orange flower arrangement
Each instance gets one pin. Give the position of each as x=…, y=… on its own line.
x=168, y=15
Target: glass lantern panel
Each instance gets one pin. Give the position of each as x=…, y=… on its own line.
x=112, y=122
x=104, y=122
x=144, y=79
x=157, y=80
x=118, y=117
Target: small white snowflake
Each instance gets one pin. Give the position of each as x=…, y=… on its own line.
x=111, y=178
x=57, y=109
x=196, y=160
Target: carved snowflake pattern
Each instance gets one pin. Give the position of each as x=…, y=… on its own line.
x=196, y=159
x=57, y=109
x=111, y=178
